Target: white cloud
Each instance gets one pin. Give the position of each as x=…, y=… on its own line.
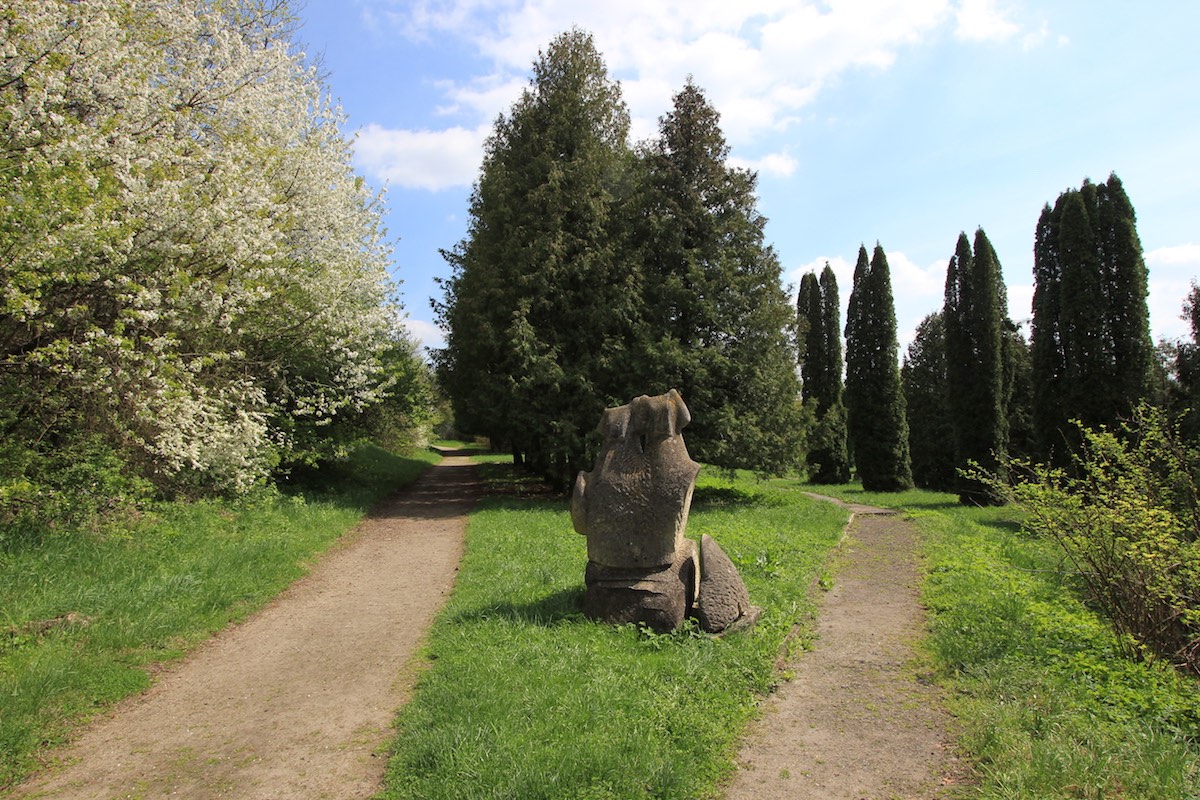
x=1172, y=271
x=981, y=21
x=1173, y=257
x=760, y=62
x=421, y=159
x=425, y=332
x=774, y=165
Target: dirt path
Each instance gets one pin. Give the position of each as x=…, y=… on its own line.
x=856, y=721
x=297, y=701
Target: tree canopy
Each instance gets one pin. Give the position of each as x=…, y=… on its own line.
x=819, y=314
x=715, y=321
x=592, y=273
x=927, y=401
x=193, y=276
x=974, y=314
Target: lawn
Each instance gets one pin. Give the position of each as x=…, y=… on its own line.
x=525, y=698
x=86, y=616
x=1049, y=706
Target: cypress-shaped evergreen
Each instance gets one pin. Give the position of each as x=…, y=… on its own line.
x=974, y=316
x=926, y=399
x=1091, y=350
x=819, y=326
x=875, y=406
x=540, y=301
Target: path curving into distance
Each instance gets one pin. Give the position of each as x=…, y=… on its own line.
x=297, y=701
x=856, y=720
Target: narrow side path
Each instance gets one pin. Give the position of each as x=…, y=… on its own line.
x=297, y=701
x=856, y=721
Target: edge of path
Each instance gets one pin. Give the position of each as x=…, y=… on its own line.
x=298, y=699
x=857, y=719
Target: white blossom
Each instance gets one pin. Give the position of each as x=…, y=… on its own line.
x=182, y=230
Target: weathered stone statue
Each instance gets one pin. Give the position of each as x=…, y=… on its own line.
x=633, y=508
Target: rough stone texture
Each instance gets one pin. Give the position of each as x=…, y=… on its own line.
x=658, y=597
x=633, y=505
x=723, y=601
x=633, y=508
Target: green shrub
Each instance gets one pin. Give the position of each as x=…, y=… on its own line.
x=45, y=490
x=1127, y=518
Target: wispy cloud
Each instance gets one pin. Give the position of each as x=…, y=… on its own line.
x=1172, y=271
x=772, y=165
x=427, y=334
x=420, y=159
x=981, y=20
x=760, y=62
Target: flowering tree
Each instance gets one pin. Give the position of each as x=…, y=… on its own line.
x=191, y=272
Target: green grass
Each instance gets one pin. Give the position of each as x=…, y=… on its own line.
x=1048, y=705
x=524, y=698
x=147, y=594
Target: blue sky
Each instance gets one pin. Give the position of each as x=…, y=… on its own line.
x=897, y=121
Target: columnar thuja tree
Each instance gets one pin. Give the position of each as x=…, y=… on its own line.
x=927, y=399
x=539, y=307
x=1091, y=346
x=192, y=274
x=975, y=313
x=874, y=396
x=819, y=323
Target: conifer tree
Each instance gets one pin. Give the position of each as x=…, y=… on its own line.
x=716, y=324
x=539, y=304
x=1091, y=349
x=974, y=315
x=875, y=405
x=927, y=398
x=819, y=321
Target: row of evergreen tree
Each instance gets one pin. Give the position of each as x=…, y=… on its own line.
x=972, y=390
x=593, y=271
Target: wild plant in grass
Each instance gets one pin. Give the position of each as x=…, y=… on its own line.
x=1128, y=517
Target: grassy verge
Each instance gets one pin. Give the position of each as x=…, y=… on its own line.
x=524, y=698
x=83, y=616
x=1049, y=707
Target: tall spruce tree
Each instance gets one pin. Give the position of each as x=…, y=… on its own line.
x=716, y=323
x=819, y=322
x=927, y=400
x=1091, y=350
x=540, y=304
x=875, y=404
x=975, y=315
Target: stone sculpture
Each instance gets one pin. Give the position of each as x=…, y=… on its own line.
x=633, y=508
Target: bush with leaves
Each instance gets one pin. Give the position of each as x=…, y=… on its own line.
x=1128, y=518
x=192, y=273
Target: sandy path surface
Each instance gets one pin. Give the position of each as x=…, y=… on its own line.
x=856, y=721
x=297, y=701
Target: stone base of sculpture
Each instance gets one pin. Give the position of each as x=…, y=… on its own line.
x=633, y=508
x=658, y=597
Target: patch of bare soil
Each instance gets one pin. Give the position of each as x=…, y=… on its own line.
x=297, y=701
x=857, y=720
